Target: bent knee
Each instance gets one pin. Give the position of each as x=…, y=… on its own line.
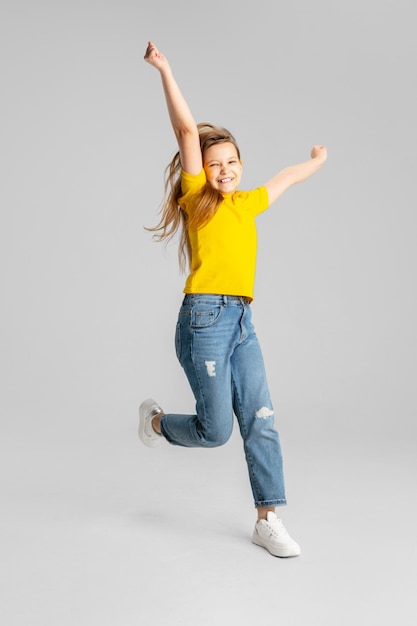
x=215, y=439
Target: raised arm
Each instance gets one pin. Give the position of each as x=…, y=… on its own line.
x=296, y=173
x=182, y=121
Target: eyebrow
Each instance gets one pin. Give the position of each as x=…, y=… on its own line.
x=234, y=156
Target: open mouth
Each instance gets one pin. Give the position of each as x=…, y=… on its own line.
x=225, y=180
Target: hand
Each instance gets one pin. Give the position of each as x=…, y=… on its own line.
x=319, y=152
x=154, y=57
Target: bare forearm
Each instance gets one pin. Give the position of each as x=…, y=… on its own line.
x=179, y=112
x=296, y=173
x=300, y=172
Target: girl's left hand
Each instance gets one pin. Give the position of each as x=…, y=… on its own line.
x=319, y=152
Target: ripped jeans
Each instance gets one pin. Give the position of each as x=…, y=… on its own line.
x=217, y=346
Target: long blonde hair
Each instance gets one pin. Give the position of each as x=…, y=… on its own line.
x=204, y=204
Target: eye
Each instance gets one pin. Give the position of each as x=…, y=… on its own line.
x=213, y=165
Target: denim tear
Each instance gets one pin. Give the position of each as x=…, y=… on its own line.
x=264, y=412
x=211, y=367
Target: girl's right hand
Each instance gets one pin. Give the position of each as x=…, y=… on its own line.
x=154, y=57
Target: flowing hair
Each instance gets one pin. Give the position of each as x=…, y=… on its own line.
x=203, y=205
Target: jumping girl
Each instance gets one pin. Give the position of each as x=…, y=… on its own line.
x=215, y=340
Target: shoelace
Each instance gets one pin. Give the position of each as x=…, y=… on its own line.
x=278, y=528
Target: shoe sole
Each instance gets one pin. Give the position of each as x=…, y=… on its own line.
x=283, y=553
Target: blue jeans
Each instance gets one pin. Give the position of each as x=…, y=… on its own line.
x=217, y=346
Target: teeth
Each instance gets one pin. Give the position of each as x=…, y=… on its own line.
x=225, y=180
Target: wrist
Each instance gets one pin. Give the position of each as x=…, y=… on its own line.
x=165, y=70
x=319, y=160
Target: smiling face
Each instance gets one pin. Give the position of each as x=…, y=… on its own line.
x=223, y=167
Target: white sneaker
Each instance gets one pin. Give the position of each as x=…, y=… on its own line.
x=147, y=411
x=272, y=535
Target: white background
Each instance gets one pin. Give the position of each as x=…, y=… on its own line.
x=97, y=529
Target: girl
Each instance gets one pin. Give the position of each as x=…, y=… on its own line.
x=215, y=339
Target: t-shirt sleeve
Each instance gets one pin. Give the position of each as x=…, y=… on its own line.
x=256, y=201
x=190, y=185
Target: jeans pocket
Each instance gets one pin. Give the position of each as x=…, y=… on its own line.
x=204, y=316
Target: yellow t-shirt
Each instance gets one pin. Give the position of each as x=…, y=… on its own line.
x=224, y=250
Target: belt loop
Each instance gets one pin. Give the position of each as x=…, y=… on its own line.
x=225, y=300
